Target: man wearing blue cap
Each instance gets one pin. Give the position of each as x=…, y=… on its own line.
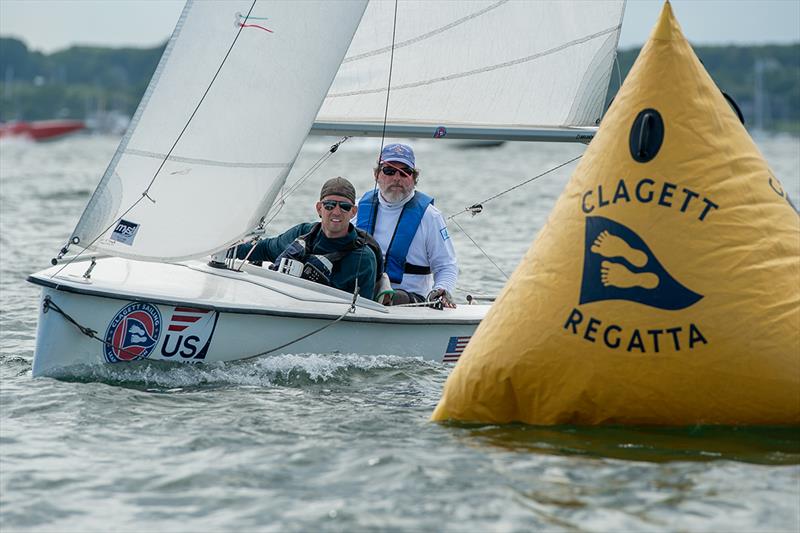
x=418, y=254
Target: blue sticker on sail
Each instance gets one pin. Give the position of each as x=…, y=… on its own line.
x=618, y=265
x=125, y=232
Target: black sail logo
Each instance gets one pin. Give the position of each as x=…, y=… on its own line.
x=618, y=265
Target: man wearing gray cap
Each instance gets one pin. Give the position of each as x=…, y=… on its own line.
x=331, y=251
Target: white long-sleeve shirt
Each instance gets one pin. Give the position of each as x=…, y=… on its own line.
x=431, y=246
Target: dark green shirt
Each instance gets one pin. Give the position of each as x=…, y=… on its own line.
x=359, y=263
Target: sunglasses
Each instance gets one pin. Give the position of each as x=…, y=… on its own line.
x=330, y=204
x=391, y=171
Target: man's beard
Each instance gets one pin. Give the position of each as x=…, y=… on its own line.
x=395, y=194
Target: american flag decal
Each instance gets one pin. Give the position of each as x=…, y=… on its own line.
x=455, y=347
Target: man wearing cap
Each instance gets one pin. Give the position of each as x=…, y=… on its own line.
x=330, y=251
x=418, y=254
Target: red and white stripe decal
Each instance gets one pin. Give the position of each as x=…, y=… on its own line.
x=183, y=316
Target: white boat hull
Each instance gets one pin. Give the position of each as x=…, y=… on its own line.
x=192, y=313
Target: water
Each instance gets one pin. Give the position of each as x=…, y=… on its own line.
x=320, y=442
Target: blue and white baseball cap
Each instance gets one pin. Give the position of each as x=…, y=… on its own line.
x=400, y=153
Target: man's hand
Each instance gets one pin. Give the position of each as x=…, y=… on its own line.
x=441, y=297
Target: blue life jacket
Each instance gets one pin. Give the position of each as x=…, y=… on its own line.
x=410, y=218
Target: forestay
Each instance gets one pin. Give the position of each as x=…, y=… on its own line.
x=215, y=135
x=476, y=65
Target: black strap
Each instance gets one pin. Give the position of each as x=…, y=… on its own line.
x=416, y=269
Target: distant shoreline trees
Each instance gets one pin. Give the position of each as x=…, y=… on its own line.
x=79, y=81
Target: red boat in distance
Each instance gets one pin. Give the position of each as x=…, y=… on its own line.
x=41, y=130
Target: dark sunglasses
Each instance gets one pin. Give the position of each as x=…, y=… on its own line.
x=391, y=171
x=330, y=204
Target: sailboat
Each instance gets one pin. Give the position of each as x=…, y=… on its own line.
x=41, y=130
x=205, y=159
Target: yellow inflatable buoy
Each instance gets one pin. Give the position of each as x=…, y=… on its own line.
x=664, y=288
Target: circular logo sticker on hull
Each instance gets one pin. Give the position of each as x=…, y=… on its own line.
x=133, y=333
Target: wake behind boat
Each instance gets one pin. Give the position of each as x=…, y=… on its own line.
x=204, y=163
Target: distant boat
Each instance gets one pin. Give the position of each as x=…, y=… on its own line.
x=478, y=143
x=40, y=130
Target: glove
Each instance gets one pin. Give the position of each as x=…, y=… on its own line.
x=384, y=290
x=441, y=297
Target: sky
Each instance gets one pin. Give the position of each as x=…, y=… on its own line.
x=51, y=25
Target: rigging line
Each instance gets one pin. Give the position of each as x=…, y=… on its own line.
x=316, y=166
x=264, y=223
x=350, y=309
x=373, y=212
x=310, y=333
x=476, y=291
x=202, y=98
x=469, y=209
x=389, y=83
x=145, y=193
x=432, y=305
x=308, y=173
x=385, y=111
x=481, y=249
x=246, y=257
x=50, y=305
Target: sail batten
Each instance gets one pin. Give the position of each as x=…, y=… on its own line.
x=206, y=162
x=417, y=39
x=481, y=70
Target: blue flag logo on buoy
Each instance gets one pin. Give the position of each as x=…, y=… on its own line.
x=618, y=265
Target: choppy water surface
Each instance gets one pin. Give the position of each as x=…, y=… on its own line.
x=342, y=442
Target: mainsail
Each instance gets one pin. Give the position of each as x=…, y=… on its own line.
x=484, y=69
x=219, y=127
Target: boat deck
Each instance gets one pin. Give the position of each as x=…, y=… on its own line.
x=254, y=290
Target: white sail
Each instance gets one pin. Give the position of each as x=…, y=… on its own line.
x=217, y=131
x=475, y=66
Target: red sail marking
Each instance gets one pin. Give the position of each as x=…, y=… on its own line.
x=255, y=26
